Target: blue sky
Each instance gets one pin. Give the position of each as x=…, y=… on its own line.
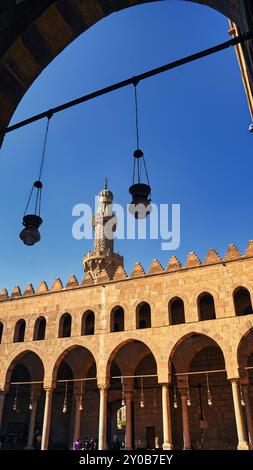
x=193, y=130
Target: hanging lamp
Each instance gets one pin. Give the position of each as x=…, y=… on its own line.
x=15, y=403
x=123, y=401
x=175, y=404
x=31, y=399
x=80, y=407
x=209, y=395
x=65, y=408
x=241, y=395
x=140, y=206
x=32, y=221
x=188, y=401
x=142, y=403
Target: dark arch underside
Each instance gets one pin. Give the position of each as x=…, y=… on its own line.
x=32, y=34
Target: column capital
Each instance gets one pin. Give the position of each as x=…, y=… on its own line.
x=103, y=386
x=49, y=390
x=234, y=380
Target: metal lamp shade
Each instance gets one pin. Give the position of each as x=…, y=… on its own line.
x=30, y=234
x=140, y=205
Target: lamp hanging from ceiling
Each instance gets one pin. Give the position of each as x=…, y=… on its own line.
x=188, y=401
x=241, y=395
x=15, y=403
x=123, y=401
x=80, y=406
x=209, y=395
x=32, y=220
x=142, y=403
x=140, y=206
x=175, y=404
x=31, y=398
x=65, y=407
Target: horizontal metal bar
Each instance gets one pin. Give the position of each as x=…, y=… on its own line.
x=26, y=383
x=132, y=376
x=201, y=372
x=131, y=81
x=77, y=380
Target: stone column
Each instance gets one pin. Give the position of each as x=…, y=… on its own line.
x=167, y=438
x=248, y=412
x=47, y=419
x=128, y=437
x=102, y=417
x=2, y=398
x=32, y=424
x=77, y=424
x=185, y=420
x=242, y=442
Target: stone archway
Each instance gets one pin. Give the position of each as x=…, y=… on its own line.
x=204, y=408
x=245, y=364
x=134, y=390
x=23, y=402
x=75, y=401
x=33, y=35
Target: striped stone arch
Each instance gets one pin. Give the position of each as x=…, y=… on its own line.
x=34, y=34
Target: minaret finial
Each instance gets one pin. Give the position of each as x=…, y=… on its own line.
x=106, y=182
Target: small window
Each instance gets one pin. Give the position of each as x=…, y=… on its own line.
x=242, y=301
x=39, y=329
x=1, y=331
x=65, y=326
x=88, y=323
x=143, y=316
x=117, y=319
x=206, y=307
x=19, y=333
x=176, y=311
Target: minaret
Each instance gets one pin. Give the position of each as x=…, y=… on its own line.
x=103, y=256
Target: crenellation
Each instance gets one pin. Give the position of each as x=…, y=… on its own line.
x=212, y=257
x=232, y=253
x=155, y=267
x=16, y=292
x=4, y=294
x=173, y=264
x=249, y=249
x=57, y=285
x=72, y=282
x=192, y=260
x=29, y=290
x=42, y=288
x=137, y=271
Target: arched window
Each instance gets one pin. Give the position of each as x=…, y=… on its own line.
x=39, y=329
x=206, y=307
x=88, y=323
x=1, y=331
x=19, y=333
x=117, y=319
x=242, y=301
x=176, y=311
x=65, y=326
x=143, y=316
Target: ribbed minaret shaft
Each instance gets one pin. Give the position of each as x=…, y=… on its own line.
x=104, y=224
